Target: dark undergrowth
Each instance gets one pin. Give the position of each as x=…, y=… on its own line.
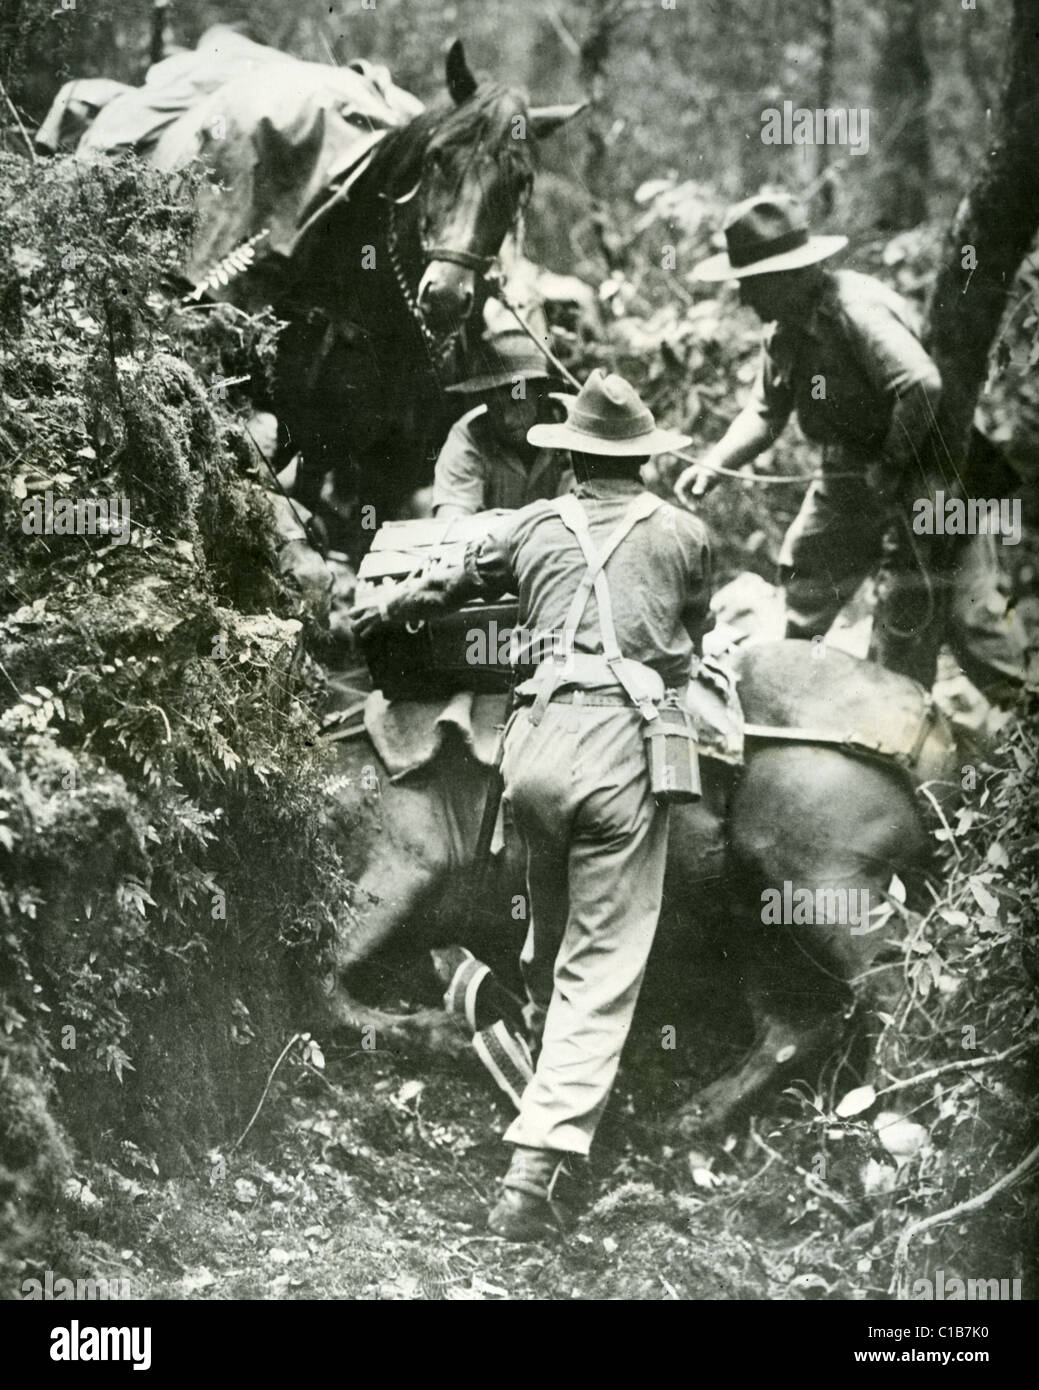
x=166, y=898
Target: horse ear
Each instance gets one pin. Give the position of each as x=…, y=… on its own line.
x=461, y=83
x=545, y=120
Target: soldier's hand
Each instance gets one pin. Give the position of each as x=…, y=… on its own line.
x=692, y=483
x=344, y=634
x=365, y=618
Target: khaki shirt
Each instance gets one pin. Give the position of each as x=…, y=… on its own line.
x=476, y=471
x=845, y=369
x=659, y=576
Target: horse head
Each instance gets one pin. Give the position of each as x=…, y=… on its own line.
x=477, y=174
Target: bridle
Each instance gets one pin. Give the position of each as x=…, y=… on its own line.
x=437, y=348
x=469, y=259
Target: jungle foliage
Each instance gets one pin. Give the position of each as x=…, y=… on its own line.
x=166, y=896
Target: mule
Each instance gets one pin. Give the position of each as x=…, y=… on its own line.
x=800, y=815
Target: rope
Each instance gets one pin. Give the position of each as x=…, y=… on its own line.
x=760, y=478
x=497, y=288
x=496, y=285
x=925, y=575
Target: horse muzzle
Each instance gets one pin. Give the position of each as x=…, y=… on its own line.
x=446, y=292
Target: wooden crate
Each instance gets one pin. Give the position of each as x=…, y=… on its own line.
x=465, y=650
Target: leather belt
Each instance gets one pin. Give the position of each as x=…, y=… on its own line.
x=599, y=698
x=583, y=697
x=592, y=697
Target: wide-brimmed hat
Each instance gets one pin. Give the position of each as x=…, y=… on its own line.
x=765, y=235
x=501, y=360
x=607, y=417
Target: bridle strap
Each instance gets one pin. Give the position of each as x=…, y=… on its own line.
x=469, y=259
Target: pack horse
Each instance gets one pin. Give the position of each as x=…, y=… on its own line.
x=366, y=221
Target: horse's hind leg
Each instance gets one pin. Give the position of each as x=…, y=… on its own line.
x=798, y=1010
x=815, y=838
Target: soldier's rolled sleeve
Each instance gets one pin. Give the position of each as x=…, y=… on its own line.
x=489, y=562
x=440, y=591
x=458, y=478
x=891, y=354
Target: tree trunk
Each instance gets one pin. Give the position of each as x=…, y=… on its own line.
x=902, y=90
x=826, y=65
x=994, y=227
x=595, y=54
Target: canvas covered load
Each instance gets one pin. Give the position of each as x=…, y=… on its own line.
x=280, y=138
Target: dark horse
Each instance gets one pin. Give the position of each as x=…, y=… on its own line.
x=377, y=292
x=368, y=225
x=818, y=816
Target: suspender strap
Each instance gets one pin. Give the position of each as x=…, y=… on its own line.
x=573, y=517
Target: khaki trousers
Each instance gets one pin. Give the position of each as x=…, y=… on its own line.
x=596, y=843
x=932, y=590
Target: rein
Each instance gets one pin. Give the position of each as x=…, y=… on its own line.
x=436, y=349
x=498, y=290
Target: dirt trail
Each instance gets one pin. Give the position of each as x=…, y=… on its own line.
x=374, y=1180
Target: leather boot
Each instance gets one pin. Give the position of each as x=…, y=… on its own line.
x=533, y=1205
